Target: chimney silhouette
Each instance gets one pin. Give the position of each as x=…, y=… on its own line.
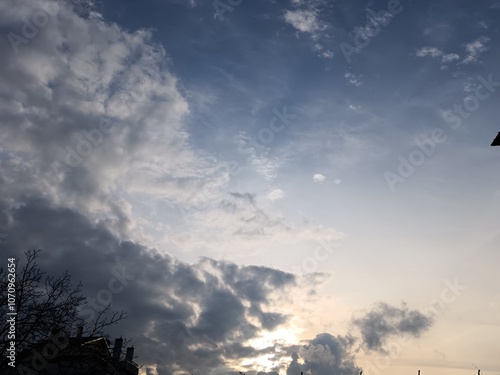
x=79, y=332
x=130, y=354
x=117, y=349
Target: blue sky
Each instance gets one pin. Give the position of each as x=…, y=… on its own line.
x=342, y=143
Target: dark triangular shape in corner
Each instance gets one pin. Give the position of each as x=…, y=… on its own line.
x=496, y=141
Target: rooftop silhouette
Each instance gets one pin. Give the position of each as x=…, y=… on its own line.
x=496, y=141
x=81, y=355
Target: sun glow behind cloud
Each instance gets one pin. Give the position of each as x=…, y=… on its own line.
x=278, y=339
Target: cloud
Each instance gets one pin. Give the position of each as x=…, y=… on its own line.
x=75, y=188
x=305, y=20
x=322, y=51
x=239, y=226
x=77, y=76
x=259, y=157
x=192, y=317
x=385, y=321
x=275, y=194
x=436, y=53
x=181, y=315
x=142, y=179
x=325, y=354
x=354, y=79
x=329, y=354
x=450, y=57
x=474, y=49
x=318, y=178
x=265, y=166
x=428, y=51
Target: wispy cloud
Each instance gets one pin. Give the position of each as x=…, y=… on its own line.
x=474, y=49
x=275, y=194
x=429, y=51
x=354, y=79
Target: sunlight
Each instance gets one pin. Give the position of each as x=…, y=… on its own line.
x=282, y=336
x=277, y=339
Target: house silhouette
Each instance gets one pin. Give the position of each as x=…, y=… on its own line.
x=76, y=355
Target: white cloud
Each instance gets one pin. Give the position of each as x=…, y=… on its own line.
x=322, y=52
x=327, y=54
x=74, y=73
x=474, y=49
x=450, y=57
x=265, y=166
x=259, y=158
x=354, y=79
x=239, y=227
x=318, y=178
x=428, y=51
x=305, y=21
x=275, y=194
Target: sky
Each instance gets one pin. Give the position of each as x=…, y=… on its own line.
x=281, y=186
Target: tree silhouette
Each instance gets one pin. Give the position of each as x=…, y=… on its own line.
x=45, y=305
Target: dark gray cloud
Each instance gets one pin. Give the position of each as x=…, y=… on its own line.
x=325, y=354
x=384, y=321
x=328, y=354
x=194, y=316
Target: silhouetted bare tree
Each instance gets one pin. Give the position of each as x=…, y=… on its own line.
x=45, y=304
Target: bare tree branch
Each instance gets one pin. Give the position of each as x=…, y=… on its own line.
x=45, y=304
